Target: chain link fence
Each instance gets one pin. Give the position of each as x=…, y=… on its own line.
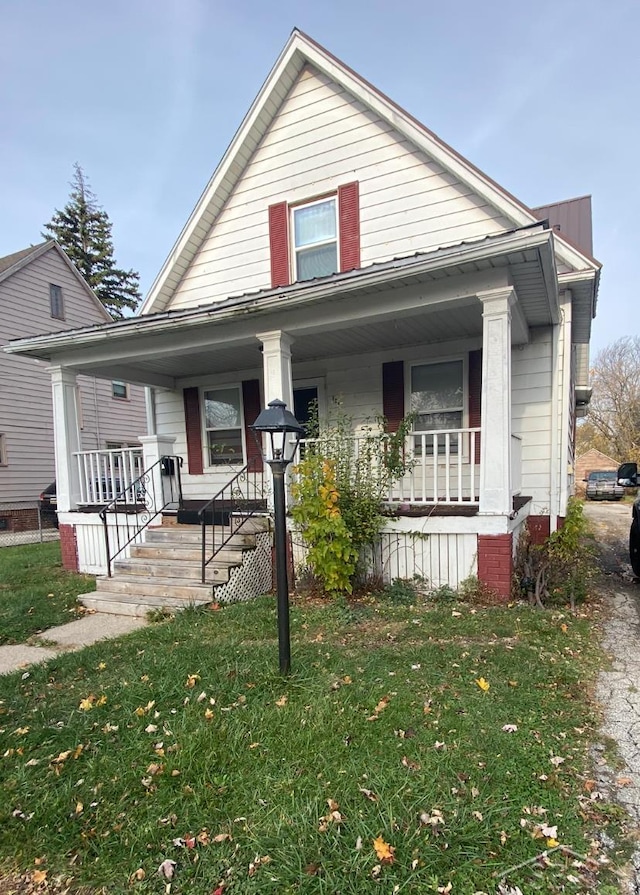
x=23, y=523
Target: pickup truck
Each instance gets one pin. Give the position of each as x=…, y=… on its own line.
x=628, y=478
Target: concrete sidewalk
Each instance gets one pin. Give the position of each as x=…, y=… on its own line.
x=66, y=638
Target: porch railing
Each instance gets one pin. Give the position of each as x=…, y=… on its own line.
x=444, y=466
x=136, y=506
x=230, y=509
x=105, y=474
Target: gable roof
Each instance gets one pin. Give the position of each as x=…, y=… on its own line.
x=300, y=51
x=11, y=264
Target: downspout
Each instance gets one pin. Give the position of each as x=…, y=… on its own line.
x=567, y=397
x=555, y=447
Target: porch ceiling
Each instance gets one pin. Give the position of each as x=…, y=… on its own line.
x=410, y=301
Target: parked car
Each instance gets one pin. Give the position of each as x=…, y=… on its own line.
x=48, y=505
x=628, y=478
x=603, y=485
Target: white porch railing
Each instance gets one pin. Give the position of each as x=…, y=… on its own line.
x=105, y=474
x=445, y=467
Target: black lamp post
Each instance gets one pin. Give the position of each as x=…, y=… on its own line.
x=284, y=433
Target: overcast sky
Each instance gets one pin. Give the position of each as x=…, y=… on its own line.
x=146, y=94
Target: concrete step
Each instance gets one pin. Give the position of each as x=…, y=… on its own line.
x=185, y=553
x=137, y=605
x=180, y=572
x=158, y=587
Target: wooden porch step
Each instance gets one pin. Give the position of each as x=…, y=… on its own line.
x=155, y=587
x=184, y=553
x=137, y=605
x=179, y=572
x=191, y=534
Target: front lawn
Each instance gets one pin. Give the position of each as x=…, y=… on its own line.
x=36, y=593
x=413, y=749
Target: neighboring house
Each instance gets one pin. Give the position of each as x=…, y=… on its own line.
x=41, y=291
x=592, y=461
x=341, y=251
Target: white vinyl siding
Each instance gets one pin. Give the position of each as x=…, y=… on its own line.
x=322, y=137
x=26, y=406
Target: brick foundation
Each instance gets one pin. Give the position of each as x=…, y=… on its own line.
x=69, y=547
x=539, y=528
x=26, y=519
x=495, y=563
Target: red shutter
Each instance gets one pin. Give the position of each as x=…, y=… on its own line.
x=279, y=244
x=475, y=394
x=252, y=407
x=349, y=216
x=193, y=429
x=393, y=394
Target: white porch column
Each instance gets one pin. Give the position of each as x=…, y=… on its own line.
x=153, y=448
x=495, y=458
x=66, y=437
x=276, y=360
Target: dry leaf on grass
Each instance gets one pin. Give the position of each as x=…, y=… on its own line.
x=167, y=869
x=381, y=706
x=385, y=853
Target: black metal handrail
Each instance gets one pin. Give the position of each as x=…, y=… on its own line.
x=137, y=505
x=238, y=496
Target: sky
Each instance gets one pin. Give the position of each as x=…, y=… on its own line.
x=146, y=95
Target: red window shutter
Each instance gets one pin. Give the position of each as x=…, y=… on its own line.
x=475, y=395
x=393, y=394
x=349, y=217
x=279, y=244
x=193, y=429
x=252, y=406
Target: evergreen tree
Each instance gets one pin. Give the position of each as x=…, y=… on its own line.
x=83, y=230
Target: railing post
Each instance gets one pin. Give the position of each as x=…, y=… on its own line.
x=154, y=447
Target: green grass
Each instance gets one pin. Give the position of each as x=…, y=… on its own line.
x=382, y=714
x=36, y=593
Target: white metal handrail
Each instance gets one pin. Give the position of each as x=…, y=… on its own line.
x=105, y=474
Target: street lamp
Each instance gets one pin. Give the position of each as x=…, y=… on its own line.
x=284, y=433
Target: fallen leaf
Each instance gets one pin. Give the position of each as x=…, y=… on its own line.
x=409, y=764
x=444, y=890
x=282, y=701
x=384, y=852
x=509, y=728
x=39, y=876
x=223, y=837
x=368, y=794
x=359, y=843
x=167, y=869
x=312, y=869
x=381, y=706
x=137, y=875
x=483, y=684
x=556, y=760
x=191, y=681
x=208, y=714
x=478, y=815
x=623, y=781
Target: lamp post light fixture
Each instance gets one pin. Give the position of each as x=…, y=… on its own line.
x=284, y=433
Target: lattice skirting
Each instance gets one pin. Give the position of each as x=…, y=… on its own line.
x=253, y=578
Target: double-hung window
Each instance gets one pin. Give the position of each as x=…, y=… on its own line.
x=223, y=426
x=56, y=304
x=437, y=399
x=119, y=389
x=315, y=239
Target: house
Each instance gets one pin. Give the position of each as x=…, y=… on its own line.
x=342, y=251
x=591, y=461
x=41, y=291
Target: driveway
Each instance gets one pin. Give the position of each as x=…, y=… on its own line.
x=618, y=688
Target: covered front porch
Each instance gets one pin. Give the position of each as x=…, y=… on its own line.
x=432, y=335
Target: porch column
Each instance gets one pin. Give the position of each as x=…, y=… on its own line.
x=153, y=448
x=276, y=360
x=495, y=456
x=66, y=437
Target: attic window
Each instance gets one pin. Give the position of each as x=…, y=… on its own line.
x=55, y=301
x=119, y=389
x=315, y=239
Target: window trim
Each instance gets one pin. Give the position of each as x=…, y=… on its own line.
x=126, y=396
x=308, y=203
x=216, y=467
x=447, y=359
x=53, y=303
x=4, y=459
